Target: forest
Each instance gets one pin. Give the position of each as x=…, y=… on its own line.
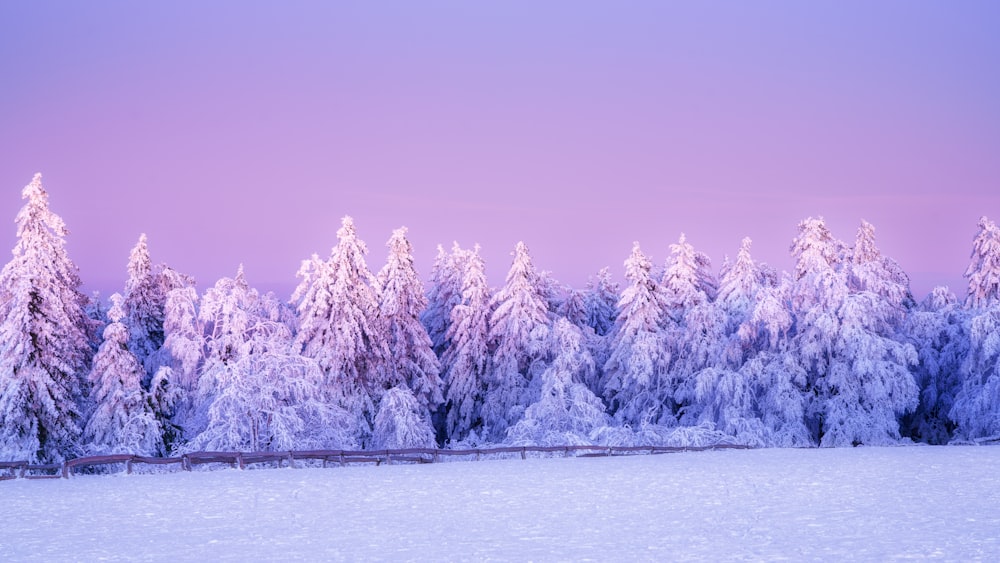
x=837, y=352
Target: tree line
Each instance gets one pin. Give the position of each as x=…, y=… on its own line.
x=837, y=352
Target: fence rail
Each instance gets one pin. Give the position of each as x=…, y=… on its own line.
x=23, y=469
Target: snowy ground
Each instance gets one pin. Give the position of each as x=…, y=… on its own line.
x=857, y=504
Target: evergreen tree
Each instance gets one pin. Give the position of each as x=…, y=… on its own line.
x=566, y=412
x=601, y=301
x=401, y=422
x=123, y=421
x=984, y=267
x=412, y=362
x=636, y=368
x=45, y=338
x=144, y=306
x=256, y=392
x=339, y=326
x=444, y=294
x=518, y=332
x=977, y=407
x=465, y=363
x=937, y=330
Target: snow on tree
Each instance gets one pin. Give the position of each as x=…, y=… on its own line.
x=636, y=368
x=256, y=392
x=984, y=268
x=45, y=338
x=519, y=327
x=339, y=326
x=412, y=361
x=574, y=308
x=144, y=306
x=976, y=410
x=937, y=330
x=857, y=369
x=122, y=421
x=566, y=411
x=683, y=284
x=402, y=422
x=601, y=301
x=465, y=363
x=444, y=294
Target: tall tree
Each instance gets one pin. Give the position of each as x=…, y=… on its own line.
x=123, y=421
x=339, y=326
x=519, y=328
x=444, y=293
x=144, y=306
x=45, y=338
x=983, y=272
x=412, y=362
x=636, y=369
x=466, y=362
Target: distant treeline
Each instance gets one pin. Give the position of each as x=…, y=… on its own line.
x=835, y=353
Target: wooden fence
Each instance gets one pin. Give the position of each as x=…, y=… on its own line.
x=23, y=469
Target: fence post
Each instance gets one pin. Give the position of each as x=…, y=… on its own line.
x=523, y=450
x=128, y=466
x=239, y=459
x=65, y=470
x=291, y=460
x=185, y=462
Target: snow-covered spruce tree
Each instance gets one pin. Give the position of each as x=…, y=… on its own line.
x=695, y=328
x=519, y=327
x=256, y=392
x=175, y=382
x=602, y=301
x=401, y=422
x=339, y=326
x=122, y=421
x=635, y=372
x=412, y=362
x=983, y=272
x=465, y=363
x=937, y=330
x=859, y=372
x=574, y=309
x=566, y=411
x=45, y=338
x=977, y=406
x=444, y=293
x=747, y=382
x=144, y=306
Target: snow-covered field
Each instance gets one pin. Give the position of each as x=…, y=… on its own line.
x=827, y=504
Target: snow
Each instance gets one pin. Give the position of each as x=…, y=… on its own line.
x=770, y=504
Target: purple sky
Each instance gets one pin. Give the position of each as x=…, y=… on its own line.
x=242, y=131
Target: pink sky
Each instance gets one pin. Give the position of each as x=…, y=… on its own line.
x=242, y=131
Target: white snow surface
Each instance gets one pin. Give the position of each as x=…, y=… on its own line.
x=771, y=504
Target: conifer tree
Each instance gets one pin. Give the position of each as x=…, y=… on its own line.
x=45, y=338
x=444, y=293
x=412, y=362
x=636, y=368
x=465, y=363
x=123, y=421
x=144, y=306
x=601, y=301
x=339, y=326
x=519, y=328
x=983, y=272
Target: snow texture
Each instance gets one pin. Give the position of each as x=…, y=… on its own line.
x=848, y=504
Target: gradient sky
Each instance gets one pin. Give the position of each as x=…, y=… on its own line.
x=243, y=131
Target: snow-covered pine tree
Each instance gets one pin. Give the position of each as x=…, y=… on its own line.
x=602, y=302
x=519, y=327
x=566, y=411
x=465, y=363
x=401, y=422
x=444, y=293
x=144, y=306
x=937, y=329
x=983, y=272
x=412, y=361
x=848, y=342
x=339, y=326
x=977, y=406
x=45, y=338
x=636, y=368
x=122, y=421
x=256, y=392
x=684, y=281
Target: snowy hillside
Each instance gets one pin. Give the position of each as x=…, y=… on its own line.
x=829, y=504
